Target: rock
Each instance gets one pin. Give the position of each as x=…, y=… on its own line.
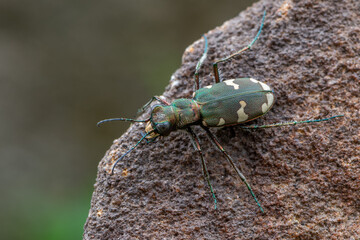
x=307, y=177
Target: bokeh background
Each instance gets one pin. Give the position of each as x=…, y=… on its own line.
x=64, y=65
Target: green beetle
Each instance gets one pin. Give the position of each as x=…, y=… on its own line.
x=225, y=103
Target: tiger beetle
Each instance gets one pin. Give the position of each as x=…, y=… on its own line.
x=225, y=103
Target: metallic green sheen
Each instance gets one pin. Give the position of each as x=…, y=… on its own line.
x=222, y=101
x=186, y=112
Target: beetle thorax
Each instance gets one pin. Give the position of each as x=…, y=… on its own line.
x=186, y=111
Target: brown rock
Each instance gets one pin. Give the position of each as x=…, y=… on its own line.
x=307, y=177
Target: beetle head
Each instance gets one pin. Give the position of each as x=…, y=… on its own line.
x=162, y=121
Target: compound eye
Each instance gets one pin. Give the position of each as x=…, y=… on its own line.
x=163, y=128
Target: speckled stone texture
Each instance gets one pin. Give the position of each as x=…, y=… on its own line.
x=307, y=177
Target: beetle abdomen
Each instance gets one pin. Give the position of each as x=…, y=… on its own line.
x=233, y=101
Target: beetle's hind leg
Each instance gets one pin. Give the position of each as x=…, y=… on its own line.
x=242, y=177
x=196, y=143
x=289, y=123
x=215, y=64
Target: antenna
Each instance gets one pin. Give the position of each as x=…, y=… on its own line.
x=120, y=119
x=145, y=135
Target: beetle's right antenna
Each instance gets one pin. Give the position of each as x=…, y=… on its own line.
x=145, y=135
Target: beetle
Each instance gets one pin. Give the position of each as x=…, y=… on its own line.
x=225, y=103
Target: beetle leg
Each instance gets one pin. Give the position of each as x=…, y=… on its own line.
x=242, y=177
x=289, y=123
x=196, y=143
x=215, y=64
x=154, y=98
x=200, y=62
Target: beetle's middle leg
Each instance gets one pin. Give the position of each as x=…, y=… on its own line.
x=215, y=64
x=196, y=143
x=242, y=177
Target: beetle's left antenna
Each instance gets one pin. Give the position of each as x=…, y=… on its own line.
x=145, y=135
x=120, y=119
x=200, y=62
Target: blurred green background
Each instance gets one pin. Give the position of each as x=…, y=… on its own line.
x=64, y=65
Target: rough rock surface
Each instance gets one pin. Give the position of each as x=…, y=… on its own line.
x=307, y=177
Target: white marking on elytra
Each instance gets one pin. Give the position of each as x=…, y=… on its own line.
x=264, y=107
x=269, y=96
x=231, y=83
x=210, y=86
x=221, y=122
x=254, y=80
x=270, y=99
x=242, y=116
x=204, y=123
x=264, y=86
